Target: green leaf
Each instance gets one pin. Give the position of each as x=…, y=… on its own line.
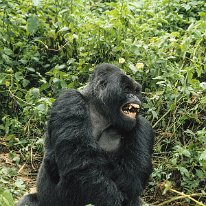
x=168, y=186
x=18, y=76
x=200, y=174
x=2, y=77
x=55, y=80
x=32, y=24
x=41, y=107
x=154, y=114
x=25, y=82
x=30, y=69
x=36, y=2
x=35, y=92
x=133, y=68
x=6, y=58
x=184, y=171
x=203, y=156
x=186, y=152
x=6, y=199
x=19, y=183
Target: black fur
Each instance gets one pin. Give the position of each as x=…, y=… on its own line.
x=93, y=153
x=29, y=200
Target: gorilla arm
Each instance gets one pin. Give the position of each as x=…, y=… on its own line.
x=81, y=165
x=136, y=160
x=85, y=173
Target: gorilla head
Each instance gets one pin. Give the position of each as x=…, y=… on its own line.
x=117, y=95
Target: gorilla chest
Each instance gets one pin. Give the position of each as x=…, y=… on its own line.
x=107, y=137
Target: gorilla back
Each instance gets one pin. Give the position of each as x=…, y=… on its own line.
x=98, y=147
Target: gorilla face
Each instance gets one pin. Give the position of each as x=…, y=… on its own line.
x=132, y=93
x=117, y=95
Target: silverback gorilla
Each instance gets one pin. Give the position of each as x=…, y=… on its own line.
x=98, y=147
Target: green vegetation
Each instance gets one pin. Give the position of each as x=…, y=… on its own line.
x=49, y=45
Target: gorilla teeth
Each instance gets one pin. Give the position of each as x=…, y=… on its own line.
x=131, y=110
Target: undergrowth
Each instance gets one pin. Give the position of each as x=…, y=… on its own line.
x=50, y=45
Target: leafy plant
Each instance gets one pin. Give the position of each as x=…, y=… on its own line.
x=6, y=198
x=46, y=46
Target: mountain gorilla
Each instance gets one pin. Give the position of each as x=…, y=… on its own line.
x=98, y=147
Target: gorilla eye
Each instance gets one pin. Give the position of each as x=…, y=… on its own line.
x=128, y=88
x=103, y=84
x=137, y=90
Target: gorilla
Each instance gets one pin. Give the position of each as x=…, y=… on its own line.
x=98, y=147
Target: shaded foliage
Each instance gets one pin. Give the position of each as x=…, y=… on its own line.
x=49, y=45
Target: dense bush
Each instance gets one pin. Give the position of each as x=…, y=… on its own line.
x=49, y=45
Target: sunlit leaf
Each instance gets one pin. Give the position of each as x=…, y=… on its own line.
x=36, y=2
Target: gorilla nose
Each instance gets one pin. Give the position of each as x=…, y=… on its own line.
x=134, y=99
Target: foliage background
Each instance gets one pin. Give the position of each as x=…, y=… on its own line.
x=48, y=45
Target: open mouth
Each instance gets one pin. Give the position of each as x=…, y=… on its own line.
x=130, y=110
